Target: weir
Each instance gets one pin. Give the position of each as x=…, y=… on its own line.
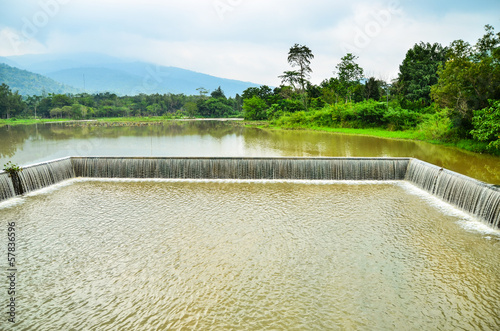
x=44, y=174
x=477, y=198
x=6, y=186
x=243, y=168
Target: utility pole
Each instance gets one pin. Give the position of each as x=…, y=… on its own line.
x=387, y=97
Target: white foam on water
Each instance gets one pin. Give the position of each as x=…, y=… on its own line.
x=466, y=220
x=54, y=187
x=243, y=181
x=12, y=202
x=20, y=199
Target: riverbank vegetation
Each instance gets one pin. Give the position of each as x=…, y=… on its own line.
x=91, y=106
x=449, y=95
x=442, y=94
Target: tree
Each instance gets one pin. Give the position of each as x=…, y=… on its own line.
x=66, y=111
x=255, y=109
x=300, y=56
x=152, y=110
x=78, y=111
x=419, y=71
x=11, y=104
x=218, y=93
x=238, y=103
x=33, y=102
x=372, y=89
x=469, y=78
x=488, y=44
x=262, y=92
x=213, y=107
x=60, y=100
x=191, y=108
x=55, y=112
x=203, y=92
x=487, y=125
x=290, y=78
x=349, y=74
x=331, y=90
x=4, y=100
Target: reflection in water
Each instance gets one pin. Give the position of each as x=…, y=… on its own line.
x=36, y=143
x=223, y=255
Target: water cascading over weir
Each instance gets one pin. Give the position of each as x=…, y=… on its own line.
x=477, y=198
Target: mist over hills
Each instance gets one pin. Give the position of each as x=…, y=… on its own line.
x=94, y=73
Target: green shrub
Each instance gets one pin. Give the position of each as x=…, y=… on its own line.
x=436, y=126
x=255, y=109
x=11, y=168
x=322, y=117
x=316, y=103
x=347, y=114
x=298, y=118
x=293, y=106
x=370, y=113
x=274, y=112
x=401, y=119
x=487, y=125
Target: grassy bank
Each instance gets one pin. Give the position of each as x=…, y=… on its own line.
x=152, y=119
x=468, y=145
x=29, y=121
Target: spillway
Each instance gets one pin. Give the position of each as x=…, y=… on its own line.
x=477, y=198
x=243, y=168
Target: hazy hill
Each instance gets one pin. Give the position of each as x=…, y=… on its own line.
x=46, y=63
x=9, y=62
x=101, y=73
x=29, y=83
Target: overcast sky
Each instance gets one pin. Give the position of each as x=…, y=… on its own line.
x=243, y=39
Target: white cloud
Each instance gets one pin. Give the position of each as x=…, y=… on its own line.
x=13, y=42
x=240, y=39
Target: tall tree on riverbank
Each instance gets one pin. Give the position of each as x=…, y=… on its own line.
x=349, y=74
x=299, y=56
x=418, y=72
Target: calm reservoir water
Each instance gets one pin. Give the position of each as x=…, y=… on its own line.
x=35, y=143
x=221, y=255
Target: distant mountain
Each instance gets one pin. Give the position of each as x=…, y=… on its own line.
x=29, y=83
x=46, y=63
x=94, y=80
x=139, y=77
x=9, y=62
x=101, y=73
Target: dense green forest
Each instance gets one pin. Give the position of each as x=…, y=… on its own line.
x=446, y=94
x=87, y=106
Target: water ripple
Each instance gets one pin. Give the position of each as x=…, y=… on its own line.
x=114, y=255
